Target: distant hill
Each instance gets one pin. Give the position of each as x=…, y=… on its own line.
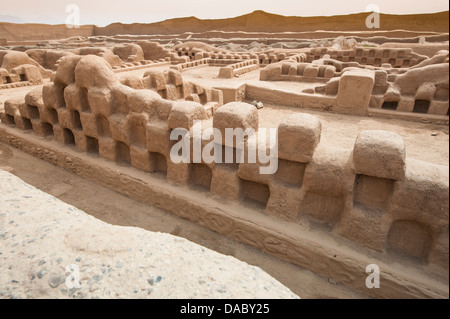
x=260, y=21
x=257, y=21
x=35, y=31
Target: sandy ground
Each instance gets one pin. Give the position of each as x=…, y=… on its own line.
x=45, y=242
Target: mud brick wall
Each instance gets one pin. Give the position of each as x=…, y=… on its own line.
x=197, y=54
x=189, y=52
x=155, y=51
x=292, y=71
x=418, y=93
x=302, y=57
x=145, y=64
x=265, y=59
x=223, y=62
x=20, y=74
x=92, y=112
x=423, y=91
x=186, y=65
x=397, y=58
x=349, y=93
x=238, y=68
x=233, y=66
x=19, y=67
x=171, y=86
x=232, y=56
x=371, y=194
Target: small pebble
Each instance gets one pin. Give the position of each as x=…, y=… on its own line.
x=55, y=281
x=42, y=273
x=94, y=279
x=72, y=292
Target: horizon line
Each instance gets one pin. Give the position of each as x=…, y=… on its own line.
x=215, y=19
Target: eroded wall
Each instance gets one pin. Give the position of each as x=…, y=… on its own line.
x=372, y=194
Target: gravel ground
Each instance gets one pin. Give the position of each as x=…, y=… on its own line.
x=49, y=249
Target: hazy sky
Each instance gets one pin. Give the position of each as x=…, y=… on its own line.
x=103, y=12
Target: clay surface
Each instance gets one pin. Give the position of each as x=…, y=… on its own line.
x=104, y=254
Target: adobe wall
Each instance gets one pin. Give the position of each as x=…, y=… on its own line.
x=17, y=69
x=398, y=36
x=288, y=40
x=422, y=90
x=348, y=93
x=238, y=68
x=396, y=57
x=297, y=72
x=417, y=93
x=47, y=58
x=371, y=195
x=428, y=49
x=196, y=50
x=155, y=51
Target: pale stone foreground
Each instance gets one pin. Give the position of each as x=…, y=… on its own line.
x=40, y=236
